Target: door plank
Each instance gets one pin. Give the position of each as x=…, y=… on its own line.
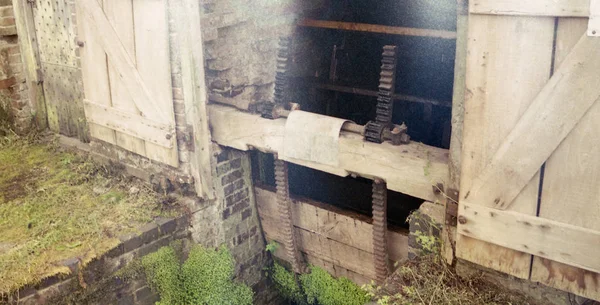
x=120, y=15
x=131, y=124
x=117, y=54
x=563, y=8
x=571, y=188
x=151, y=26
x=94, y=71
x=556, y=110
x=496, y=96
x=546, y=238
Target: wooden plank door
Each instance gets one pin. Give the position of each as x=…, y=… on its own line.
x=62, y=86
x=531, y=103
x=127, y=75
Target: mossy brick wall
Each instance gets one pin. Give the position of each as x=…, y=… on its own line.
x=426, y=222
x=240, y=44
x=14, y=99
x=99, y=281
x=240, y=227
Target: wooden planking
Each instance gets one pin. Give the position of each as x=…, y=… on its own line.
x=330, y=250
x=344, y=240
x=376, y=28
x=106, y=36
x=411, y=169
x=546, y=238
x=131, y=124
x=562, y=8
x=333, y=269
x=94, y=73
x=565, y=99
x=570, y=192
x=152, y=33
x=345, y=227
x=497, y=94
x=120, y=15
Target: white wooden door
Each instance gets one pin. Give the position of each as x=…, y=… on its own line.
x=127, y=75
x=533, y=84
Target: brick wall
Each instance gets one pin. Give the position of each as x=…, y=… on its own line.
x=14, y=99
x=96, y=283
x=240, y=227
x=240, y=43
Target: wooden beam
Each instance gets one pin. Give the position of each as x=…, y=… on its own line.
x=376, y=28
x=563, y=101
x=189, y=28
x=121, y=61
x=410, y=169
x=561, y=242
x=131, y=124
x=562, y=8
x=366, y=92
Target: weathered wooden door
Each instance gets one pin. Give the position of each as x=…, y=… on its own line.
x=58, y=67
x=127, y=75
x=530, y=183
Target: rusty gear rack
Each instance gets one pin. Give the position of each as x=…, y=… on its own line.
x=281, y=80
x=385, y=101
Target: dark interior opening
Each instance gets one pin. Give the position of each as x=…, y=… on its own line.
x=336, y=72
x=343, y=192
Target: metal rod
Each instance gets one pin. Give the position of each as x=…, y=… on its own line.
x=353, y=127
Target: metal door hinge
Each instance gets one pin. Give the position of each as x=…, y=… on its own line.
x=188, y=138
x=451, y=207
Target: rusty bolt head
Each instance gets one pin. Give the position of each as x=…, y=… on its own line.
x=462, y=220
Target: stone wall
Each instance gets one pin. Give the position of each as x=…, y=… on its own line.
x=14, y=99
x=240, y=44
x=96, y=282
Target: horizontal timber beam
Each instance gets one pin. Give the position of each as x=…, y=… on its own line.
x=131, y=124
x=558, y=8
x=561, y=242
x=411, y=169
x=376, y=28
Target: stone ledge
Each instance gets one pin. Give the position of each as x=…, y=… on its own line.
x=151, y=237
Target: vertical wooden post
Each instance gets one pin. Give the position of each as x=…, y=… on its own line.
x=380, y=256
x=458, y=109
x=285, y=214
x=191, y=50
x=30, y=57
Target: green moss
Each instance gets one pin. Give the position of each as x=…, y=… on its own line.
x=206, y=277
x=321, y=288
x=316, y=287
x=163, y=274
x=287, y=285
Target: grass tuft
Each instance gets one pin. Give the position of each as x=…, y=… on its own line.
x=56, y=205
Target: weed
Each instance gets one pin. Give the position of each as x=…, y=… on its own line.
x=206, y=277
